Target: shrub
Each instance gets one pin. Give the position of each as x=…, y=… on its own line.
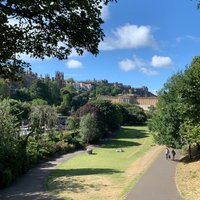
x=111, y=116
x=132, y=114
x=89, y=130
x=6, y=178
x=12, y=156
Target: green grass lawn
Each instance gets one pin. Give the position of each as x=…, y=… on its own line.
x=104, y=174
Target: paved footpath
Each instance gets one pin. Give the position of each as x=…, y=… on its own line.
x=31, y=186
x=158, y=183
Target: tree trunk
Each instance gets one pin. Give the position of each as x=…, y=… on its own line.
x=190, y=151
x=198, y=146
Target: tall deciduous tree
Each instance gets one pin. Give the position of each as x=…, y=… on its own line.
x=176, y=121
x=89, y=129
x=20, y=110
x=39, y=89
x=47, y=28
x=132, y=114
x=111, y=115
x=11, y=156
x=42, y=117
x=167, y=120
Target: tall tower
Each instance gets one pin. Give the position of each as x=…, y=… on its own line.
x=59, y=77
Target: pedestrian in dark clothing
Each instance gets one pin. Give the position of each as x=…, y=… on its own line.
x=173, y=154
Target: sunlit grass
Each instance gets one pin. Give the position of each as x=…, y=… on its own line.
x=105, y=173
x=187, y=179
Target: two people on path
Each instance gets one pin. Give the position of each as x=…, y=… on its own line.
x=167, y=154
x=173, y=154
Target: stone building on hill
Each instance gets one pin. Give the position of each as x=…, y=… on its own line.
x=82, y=85
x=146, y=102
x=59, y=77
x=143, y=102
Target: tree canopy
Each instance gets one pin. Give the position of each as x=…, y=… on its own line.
x=43, y=28
x=176, y=120
x=89, y=129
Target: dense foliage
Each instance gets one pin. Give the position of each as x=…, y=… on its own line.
x=11, y=152
x=35, y=108
x=18, y=149
x=89, y=131
x=47, y=28
x=62, y=93
x=176, y=121
x=132, y=114
x=111, y=116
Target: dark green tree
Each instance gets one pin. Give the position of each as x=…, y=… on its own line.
x=23, y=94
x=132, y=114
x=39, y=90
x=111, y=115
x=89, y=131
x=42, y=118
x=79, y=100
x=54, y=93
x=47, y=28
x=176, y=120
x=20, y=110
x=11, y=152
x=4, y=89
x=168, y=119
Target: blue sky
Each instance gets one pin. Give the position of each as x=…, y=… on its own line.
x=146, y=42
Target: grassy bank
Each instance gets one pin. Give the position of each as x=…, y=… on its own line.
x=106, y=174
x=187, y=178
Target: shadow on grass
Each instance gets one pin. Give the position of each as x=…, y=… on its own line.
x=187, y=159
x=114, y=143
x=125, y=133
x=131, y=133
x=30, y=196
x=70, y=180
x=83, y=172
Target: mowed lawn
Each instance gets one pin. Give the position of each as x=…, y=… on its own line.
x=106, y=174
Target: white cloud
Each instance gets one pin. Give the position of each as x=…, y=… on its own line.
x=127, y=65
x=148, y=71
x=161, y=61
x=74, y=64
x=129, y=36
x=136, y=64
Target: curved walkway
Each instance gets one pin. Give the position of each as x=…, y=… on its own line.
x=31, y=186
x=158, y=183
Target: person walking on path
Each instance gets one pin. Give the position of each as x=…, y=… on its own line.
x=173, y=154
x=157, y=183
x=167, y=153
